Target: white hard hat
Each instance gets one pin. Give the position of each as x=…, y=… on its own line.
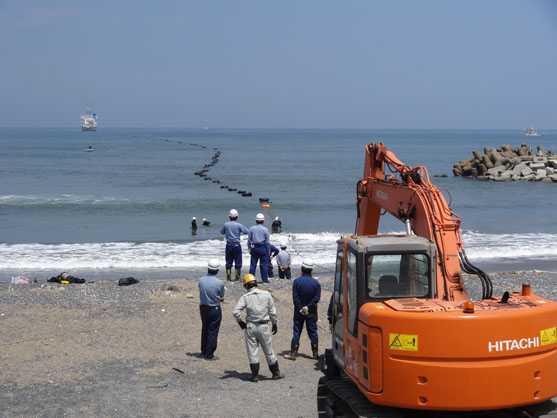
x=259, y=217
x=308, y=263
x=204, y=219
x=276, y=219
x=194, y=218
x=283, y=244
x=213, y=264
x=233, y=213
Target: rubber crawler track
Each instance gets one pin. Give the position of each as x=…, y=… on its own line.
x=340, y=397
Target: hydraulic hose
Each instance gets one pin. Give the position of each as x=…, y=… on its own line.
x=468, y=267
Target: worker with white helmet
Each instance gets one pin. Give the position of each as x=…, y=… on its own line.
x=232, y=230
x=306, y=293
x=260, y=310
x=194, y=225
x=283, y=261
x=258, y=247
x=211, y=294
x=276, y=226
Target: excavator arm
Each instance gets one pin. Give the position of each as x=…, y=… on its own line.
x=408, y=195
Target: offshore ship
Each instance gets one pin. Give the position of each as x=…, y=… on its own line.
x=89, y=121
x=532, y=132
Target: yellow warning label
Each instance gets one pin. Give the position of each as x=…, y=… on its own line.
x=548, y=336
x=403, y=342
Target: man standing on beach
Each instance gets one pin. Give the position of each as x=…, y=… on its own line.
x=258, y=247
x=306, y=293
x=233, y=253
x=211, y=294
x=273, y=251
x=283, y=262
x=260, y=309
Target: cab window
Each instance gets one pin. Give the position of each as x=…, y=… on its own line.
x=338, y=301
x=397, y=275
x=352, y=292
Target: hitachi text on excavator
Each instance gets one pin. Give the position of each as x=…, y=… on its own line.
x=406, y=338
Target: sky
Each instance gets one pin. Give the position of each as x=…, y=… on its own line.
x=362, y=64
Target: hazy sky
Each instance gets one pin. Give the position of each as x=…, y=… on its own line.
x=282, y=64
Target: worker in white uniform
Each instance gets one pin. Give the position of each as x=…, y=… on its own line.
x=260, y=310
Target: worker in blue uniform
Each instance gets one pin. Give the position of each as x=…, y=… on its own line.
x=306, y=293
x=232, y=230
x=283, y=262
x=211, y=294
x=273, y=251
x=258, y=247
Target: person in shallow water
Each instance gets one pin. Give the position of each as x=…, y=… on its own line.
x=258, y=247
x=206, y=222
x=276, y=225
x=233, y=253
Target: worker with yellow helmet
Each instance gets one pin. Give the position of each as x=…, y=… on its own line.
x=260, y=310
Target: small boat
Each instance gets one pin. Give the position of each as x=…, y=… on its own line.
x=532, y=132
x=90, y=149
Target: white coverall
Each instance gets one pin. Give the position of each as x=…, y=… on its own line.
x=260, y=309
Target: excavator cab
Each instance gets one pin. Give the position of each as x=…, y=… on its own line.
x=379, y=268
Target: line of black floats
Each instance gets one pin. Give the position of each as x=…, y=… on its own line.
x=214, y=161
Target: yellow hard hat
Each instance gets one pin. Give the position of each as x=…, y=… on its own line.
x=248, y=278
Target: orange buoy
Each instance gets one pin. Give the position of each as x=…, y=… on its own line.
x=265, y=205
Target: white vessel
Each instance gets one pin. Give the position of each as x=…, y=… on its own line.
x=532, y=132
x=89, y=121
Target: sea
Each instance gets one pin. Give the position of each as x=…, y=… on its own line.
x=125, y=208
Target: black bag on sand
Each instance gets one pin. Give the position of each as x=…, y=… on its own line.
x=66, y=277
x=126, y=281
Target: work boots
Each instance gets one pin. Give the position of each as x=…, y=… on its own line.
x=238, y=273
x=254, y=372
x=293, y=352
x=276, y=372
x=314, y=350
x=229, y=274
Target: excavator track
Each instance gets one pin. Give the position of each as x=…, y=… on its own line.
x=339, y=397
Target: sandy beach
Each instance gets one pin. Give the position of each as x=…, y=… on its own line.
x=97, y=349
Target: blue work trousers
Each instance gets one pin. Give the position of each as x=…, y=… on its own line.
x=311, y=327
x=259, y=253
x=270, y=272
x=210, y=324
x=284, y=273
x=233, y=255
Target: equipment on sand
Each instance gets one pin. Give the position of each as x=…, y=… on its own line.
x=405, y=334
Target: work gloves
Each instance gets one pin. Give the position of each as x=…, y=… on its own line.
x=304, y=310
x=274, y=329
x=242, y=324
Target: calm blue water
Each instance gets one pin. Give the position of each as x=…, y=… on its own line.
x=127, y=206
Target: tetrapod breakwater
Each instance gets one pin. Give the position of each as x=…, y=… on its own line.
x=507, y=163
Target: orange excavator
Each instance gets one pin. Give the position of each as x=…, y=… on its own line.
x=406, y=338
